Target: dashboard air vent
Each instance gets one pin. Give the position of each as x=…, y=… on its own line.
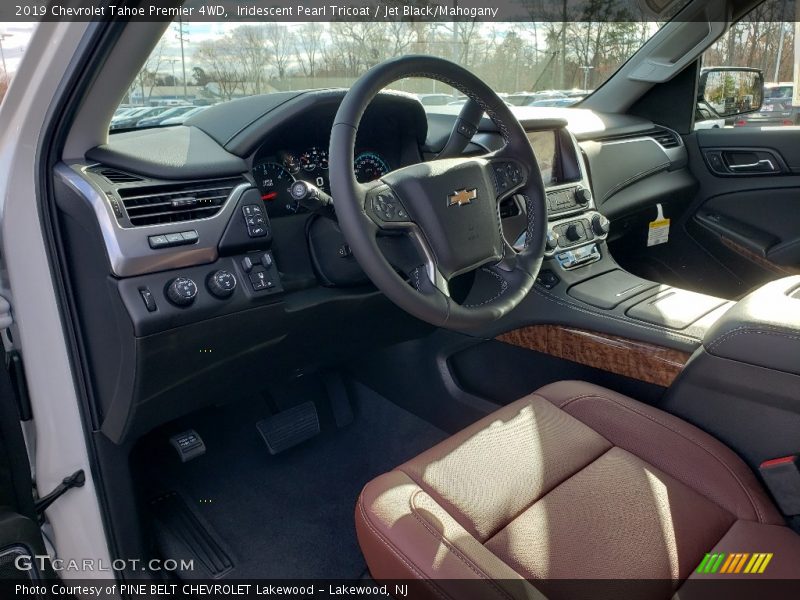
x=173, y=203
x=666, y=138
x=115, y=176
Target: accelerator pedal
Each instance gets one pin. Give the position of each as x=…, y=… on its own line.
x=289, y=427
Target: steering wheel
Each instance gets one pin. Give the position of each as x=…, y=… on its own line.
x=449, y=207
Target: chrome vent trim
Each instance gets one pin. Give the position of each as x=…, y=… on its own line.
x=176, y=202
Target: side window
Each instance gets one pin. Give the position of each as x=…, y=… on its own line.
x=14, y=38
x=764, y=41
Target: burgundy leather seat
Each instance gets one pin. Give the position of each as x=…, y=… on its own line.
x=573, y=481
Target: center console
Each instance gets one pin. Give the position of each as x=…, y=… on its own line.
x=742, y=384
x=574, y=226
x=580, y=285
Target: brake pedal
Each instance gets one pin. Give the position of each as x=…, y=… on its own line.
x=289, y=427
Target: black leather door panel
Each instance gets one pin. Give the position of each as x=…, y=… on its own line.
x=748, y=221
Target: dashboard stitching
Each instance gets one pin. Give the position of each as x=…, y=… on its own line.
x=531, y=220
x=504, y=131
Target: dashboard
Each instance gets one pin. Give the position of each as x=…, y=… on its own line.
x=178, y=295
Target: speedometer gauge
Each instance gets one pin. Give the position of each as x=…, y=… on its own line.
x=274, y=181
x=369, y=166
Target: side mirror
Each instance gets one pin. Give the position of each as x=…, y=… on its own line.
x=731, y=91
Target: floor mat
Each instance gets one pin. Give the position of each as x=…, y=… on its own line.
x=290, y=515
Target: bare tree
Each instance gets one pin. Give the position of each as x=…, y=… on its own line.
x=308, y=47
x=252, y=53
x=218, y=60
x=147, y=78
x=281, y=45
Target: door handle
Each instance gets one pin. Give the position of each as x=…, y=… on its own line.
x=762, y=166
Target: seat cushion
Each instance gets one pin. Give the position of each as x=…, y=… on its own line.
x=571, y=482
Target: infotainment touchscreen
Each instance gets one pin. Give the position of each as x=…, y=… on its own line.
x=545, y=148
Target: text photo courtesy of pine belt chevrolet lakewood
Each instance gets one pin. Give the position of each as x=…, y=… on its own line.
x=400, y=298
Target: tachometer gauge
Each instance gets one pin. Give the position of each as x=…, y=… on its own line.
x=369, y=166
x=274, y=181
x=313, y=159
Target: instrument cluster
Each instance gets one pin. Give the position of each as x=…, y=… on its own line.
x=275, y=174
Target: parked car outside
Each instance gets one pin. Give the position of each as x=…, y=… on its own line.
x=181, y=118
x=175, y=111
x=777, y=110
x=132, y=119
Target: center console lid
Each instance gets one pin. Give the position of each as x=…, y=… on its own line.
x=662, y=305
x=762, y=329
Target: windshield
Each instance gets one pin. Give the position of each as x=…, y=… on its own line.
x=528, y=63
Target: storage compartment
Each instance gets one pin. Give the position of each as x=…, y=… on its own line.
x=610, y=289
x=674, y=308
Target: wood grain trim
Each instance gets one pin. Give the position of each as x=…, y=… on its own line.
x=762, y=262
x=637, y=360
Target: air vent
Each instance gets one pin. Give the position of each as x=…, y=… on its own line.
x=666, y=138
x=115, y=176
x=173, y=203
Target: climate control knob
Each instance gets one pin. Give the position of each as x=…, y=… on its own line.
x=221, y=284
x=182, y=291
x=574, y=232
x=583, y=196
x=600, y=225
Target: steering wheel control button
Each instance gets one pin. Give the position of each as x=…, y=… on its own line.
x=465, y=129
x=221, y=284
x=148, y=299
x=255, y=220
x=388, y=208
x=507, y=175
x=182, y=291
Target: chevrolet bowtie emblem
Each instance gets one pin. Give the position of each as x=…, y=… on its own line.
x=460, y=197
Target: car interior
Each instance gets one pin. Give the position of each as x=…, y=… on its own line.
x=338, y=334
